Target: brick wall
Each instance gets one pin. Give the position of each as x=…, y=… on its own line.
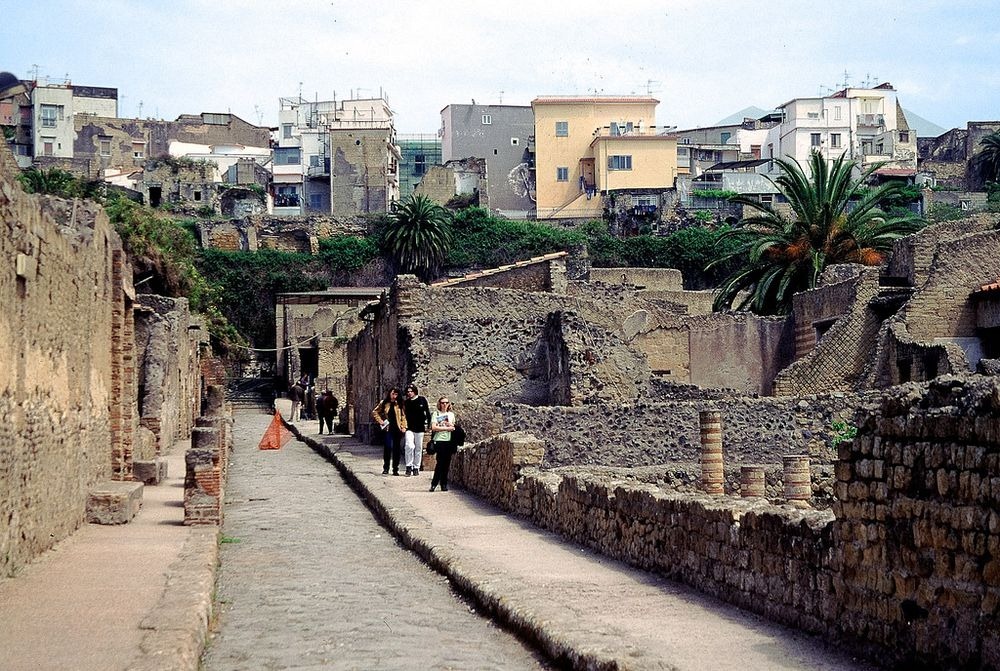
x=58, y=305
x=904, y=568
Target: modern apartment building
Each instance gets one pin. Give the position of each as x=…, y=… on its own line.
x=335, y=157
x=43, y=117
x=866, y=125
x=500, y=135
x=591, y=151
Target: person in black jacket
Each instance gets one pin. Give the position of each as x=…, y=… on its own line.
x=418, y=418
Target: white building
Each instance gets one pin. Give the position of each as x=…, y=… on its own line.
x=317, y=170
x=866, y=125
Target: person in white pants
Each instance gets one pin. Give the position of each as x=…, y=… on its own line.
x=418, y=418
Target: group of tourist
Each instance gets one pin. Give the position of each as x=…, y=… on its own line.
x=404, y=423
x=307, y=405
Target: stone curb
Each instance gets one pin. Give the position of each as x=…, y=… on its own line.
x=177, y=627
x=487, y=590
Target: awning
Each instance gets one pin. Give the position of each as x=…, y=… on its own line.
x=737, y=165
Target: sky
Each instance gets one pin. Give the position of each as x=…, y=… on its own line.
x=703, y=61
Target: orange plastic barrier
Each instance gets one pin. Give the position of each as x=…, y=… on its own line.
x=276, y=435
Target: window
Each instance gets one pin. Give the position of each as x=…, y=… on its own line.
x=766, y=199
x=620, y=162
x=813, y=139
x=315, y=201
x=48, y=144
x=514, y=142
x=419, y=165
x=487, y=119
x=197, y=195
x=724, y=137
x=138, y=150
x=50, y=115
x=835, y=140
x=105, y=147
x=836, y=113
x=562, y=128
x=286, y=130
x=562, y=174
x=287, y=156
x=813, y=115
x=904, y=136
x=314, y=161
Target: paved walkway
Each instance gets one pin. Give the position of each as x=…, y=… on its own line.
x=310, y=580
x=314, y=583
x=580, y=607
x=135, y=596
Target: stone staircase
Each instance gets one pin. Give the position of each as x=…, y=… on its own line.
x=252, y=393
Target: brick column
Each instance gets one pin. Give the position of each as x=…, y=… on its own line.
x=711, y=451
x=203, y=478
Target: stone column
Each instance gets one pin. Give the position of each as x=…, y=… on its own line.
x=796, y=478
x=711, y=451
x=752, y=481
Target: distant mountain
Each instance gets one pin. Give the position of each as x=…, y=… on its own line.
x=748, y=113
x=922, y=126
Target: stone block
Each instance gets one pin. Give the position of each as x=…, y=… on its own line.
x=151, y=472
x=114, y=502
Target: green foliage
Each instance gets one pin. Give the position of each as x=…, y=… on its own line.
x=481, y=240
x=842, y=432
x=993, y=192
x=939, y=212
x=722, y=194
x=778, y=256
x=417, y=236
x=462, y=201
x=988, y=160
x=248, y=283
x=689, y=250
x=703, y=216
x=206, y=211
x=8, y=132
x=347, y=252
x=52, y=182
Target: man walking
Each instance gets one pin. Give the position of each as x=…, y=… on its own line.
x=418, y=418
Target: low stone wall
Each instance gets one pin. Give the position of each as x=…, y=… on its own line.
x=755, y=430
x=905, y=568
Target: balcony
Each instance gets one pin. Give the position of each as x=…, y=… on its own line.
x=871, y=120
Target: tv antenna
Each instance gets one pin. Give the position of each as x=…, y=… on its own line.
x=139, y=115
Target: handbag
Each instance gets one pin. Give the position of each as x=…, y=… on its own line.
x=431, y=448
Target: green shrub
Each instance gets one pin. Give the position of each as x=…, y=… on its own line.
x=722, y=194
x=939, y=212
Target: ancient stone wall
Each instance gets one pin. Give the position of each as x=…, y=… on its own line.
x=662, y=279
x=935, y=331
x=755, y=430
x=292, y=234
x=61, y=313
x=835, y=334
x=169, y=373
x=377, y=361
x=737, y=351
x=905, y=568
x=532, y=275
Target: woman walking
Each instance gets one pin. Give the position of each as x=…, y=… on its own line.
x=391, y=417
x=442, y=424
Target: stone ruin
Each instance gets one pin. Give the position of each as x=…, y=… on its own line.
x=583, y=393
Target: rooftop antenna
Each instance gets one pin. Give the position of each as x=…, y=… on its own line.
x=847, y=79
x=649, y=87
x=139, y=115
x=34, y=71
x=501, y=96
x=260, y=115
x=300, y=91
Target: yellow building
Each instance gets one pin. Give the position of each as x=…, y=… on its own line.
x=589, y=148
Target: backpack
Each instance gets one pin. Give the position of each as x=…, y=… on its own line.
x=458, y=436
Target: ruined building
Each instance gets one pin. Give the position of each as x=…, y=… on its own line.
x=95, y=378
x=583, y=393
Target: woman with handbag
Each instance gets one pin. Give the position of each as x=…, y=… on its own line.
x=391, y=417
x=442, y=424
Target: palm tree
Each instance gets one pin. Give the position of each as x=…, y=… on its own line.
x=418, y=236
x=836, y=219
x=988, y=160
x=51, y=181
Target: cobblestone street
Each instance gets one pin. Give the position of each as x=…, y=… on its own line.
x=310, y=580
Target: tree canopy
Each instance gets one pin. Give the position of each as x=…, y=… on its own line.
x=833, y=218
